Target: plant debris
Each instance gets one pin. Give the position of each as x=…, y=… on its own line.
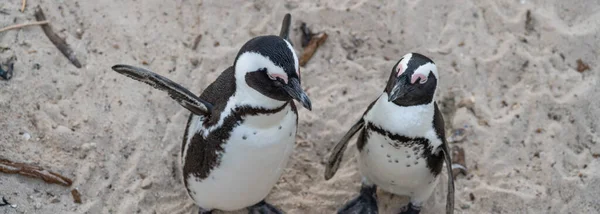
x=311, y=48
x=529, y=21
x=581, y=67
x=8, y=73
x=459, y=165
x=76, y=196
x=306, y=35
x=24, y=3
x=60, y=43
x=10, y=167
x=17, y=26
x=196, y=41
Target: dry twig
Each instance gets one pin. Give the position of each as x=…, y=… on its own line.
x=76, y=196
x=311, y=48
x=60, y=43
x=10, y=167
x=22, y=25
x=196, y=42
x=23, y=6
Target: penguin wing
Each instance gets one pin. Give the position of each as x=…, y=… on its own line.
x=180, y=94
x=338, y=151
x=438, y=123
x=285, y=28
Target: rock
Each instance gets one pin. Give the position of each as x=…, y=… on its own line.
x=62, y=129
x=457, y=135
x=26, y=136
x=467, y=102
x=146, y=184
x=88, y=146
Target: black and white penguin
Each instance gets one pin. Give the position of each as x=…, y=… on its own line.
x=242, y=129
x=401, y=145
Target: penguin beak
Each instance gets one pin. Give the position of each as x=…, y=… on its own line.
x=295, y=91
x=401, y=88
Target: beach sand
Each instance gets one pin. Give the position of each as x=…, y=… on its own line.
x=532, y=136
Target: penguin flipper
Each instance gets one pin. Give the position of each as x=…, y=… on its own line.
x=338, y=151
x=285, y=28
x=438, y=122
x=180, y=94
x=450, y=196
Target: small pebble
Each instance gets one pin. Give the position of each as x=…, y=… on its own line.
x=457, y=135
x=88, y=146
x=63, y=129
x=146, y=184
x=26, y=136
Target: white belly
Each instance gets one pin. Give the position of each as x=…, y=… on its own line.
x=252, y=162
x=399, y=170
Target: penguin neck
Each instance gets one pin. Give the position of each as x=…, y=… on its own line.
x=409, y=121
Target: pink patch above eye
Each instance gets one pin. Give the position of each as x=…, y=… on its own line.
x=400, y=70
x=282, y=76
x=415, y=77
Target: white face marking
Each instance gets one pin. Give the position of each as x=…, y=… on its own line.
x=403, y=64
x=252, y=62
x=422, y=72
x=246, y=95
x=296, y=63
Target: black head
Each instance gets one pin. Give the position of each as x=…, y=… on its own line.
x=413, y=81
x=269, y=65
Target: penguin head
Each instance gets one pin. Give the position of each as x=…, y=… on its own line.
x=413, y=81
x=269, y=65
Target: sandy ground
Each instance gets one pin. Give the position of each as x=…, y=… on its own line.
x=532, y=140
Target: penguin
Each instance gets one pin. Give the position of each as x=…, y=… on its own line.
x=402, y=144
x=242, y=129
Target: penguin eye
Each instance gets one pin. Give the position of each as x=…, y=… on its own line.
x=268, y=74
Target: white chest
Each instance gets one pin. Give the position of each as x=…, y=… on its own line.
x=395, y=167
x=251, y=162
x=399, y=166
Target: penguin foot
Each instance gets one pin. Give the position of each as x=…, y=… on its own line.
x=410, y=208
x=263, y=208
x=365, y=203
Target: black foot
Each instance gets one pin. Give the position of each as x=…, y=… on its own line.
x=203, y=211
x=263, y=208
x=410, y=208
x=365, y=203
